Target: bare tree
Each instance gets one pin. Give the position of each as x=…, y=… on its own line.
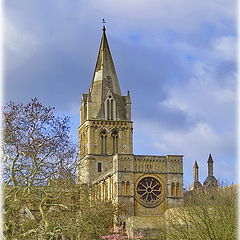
x=41, y=199
x=35, y=143
x=61, y=210
x=206, y=214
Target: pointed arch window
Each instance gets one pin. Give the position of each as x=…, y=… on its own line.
x=115, y=141
x=177, y=189
x=110, y=108
x=103, y=136
x=173, y=189
x=123, y=188
x=106, y=191
x=128, y=188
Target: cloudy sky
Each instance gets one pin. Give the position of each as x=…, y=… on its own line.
x=177, y=58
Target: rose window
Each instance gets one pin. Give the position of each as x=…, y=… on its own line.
x=149, y=191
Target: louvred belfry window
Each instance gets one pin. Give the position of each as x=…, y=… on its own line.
x=110, y=108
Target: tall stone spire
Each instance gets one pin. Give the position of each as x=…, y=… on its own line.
x=196, y=184
x=104, y=78
x=104, y=101
x=210, y=165
x=105, y=74
x=195, y=172
x=210, y=181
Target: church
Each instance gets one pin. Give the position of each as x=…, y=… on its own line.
x=147, y=184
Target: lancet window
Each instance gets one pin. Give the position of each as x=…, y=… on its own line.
x=173, y=189
x=128, y=188
x=103, y=136
x=177, y=189
x=115, y=141
x=106, y=190
x=123, y=188
x=99, y=167
x=110, y=108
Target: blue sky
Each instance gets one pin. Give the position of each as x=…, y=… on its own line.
x=177, y=58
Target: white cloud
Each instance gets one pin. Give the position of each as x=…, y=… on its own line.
x=211, y=103
x=204, y=95
x=225, y=48
x=165, y=13
x=15, y=39
x=18, y=42
x=194, y=144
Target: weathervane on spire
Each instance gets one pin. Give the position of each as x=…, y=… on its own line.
x=103, y=22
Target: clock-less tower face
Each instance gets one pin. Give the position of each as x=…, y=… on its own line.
x=149, y=192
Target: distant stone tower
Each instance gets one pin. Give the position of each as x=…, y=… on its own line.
x=146, y=184
x=210, y=181
x=196, y=184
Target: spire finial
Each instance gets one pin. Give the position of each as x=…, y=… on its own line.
x=103, y=22
x=195, y=165
x=210, y=159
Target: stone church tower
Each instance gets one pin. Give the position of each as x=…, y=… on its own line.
x=148, y=185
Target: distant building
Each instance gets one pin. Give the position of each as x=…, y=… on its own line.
x=209, y=182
